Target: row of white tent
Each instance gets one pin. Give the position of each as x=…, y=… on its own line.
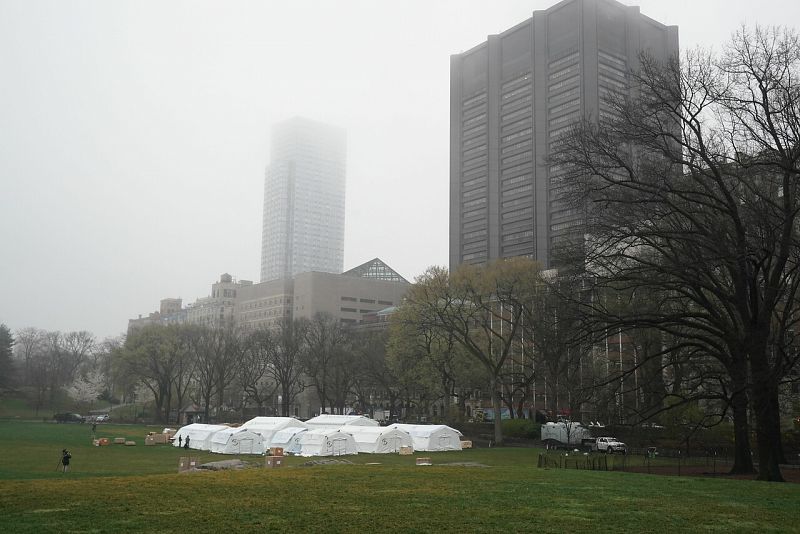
x=325, y=435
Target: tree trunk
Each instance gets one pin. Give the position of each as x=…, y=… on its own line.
x=742, y=454
x=767, y=419
x=498, y=423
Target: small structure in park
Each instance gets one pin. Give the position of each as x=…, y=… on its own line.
x=268, y=426
x=340, y=421
x=326, y=442
x=432, y=437
x=379, y=439
x=199, y=435
x=237, y=441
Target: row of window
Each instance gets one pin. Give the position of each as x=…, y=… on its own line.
x=612, y=59
x=565, y=225
x=508, y=95
x=516, y=202
x=517, y=236
x=516, y=146
x=474, y=235
x=575, y=102
x=516, y=135
x=564, y=72
x=563, y=60
x=514, y=115
x=564, y=83
x=474, y=120
x=473, y=182
x=524, y=213
x=472, y=193
x=527, y=188
x=522, y=156
x=522, y=123
x=474, y=99
x=564, y=119
x=525, y=77
x=517, y=179
x=473, y=151
x=474, y=256
x=473, y=203
x=514, y=103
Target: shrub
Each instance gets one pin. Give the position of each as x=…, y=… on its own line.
x=521, y=428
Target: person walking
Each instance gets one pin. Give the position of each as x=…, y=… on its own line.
x=186, y=443
x=180, y=441
x=65, y=458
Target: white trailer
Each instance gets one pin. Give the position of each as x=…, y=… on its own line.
x=564, y=434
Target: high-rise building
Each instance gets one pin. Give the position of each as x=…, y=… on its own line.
x=304, y=190
x=511, y=97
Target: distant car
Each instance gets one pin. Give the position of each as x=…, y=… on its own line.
x=103, y=418
x=68, y=418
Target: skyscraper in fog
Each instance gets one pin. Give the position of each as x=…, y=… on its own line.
x=304, y=206
x=510, y=99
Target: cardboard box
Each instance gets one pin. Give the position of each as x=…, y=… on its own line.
x=273, y=461
x=406, y=451
x=186, y=463
x=119, y=441
x=149, y=440
x=159, y=438
x=467, y=444
x=276, y=451
x=130, y=443
x=424, y=461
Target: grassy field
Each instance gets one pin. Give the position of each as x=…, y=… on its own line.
x=117, y=488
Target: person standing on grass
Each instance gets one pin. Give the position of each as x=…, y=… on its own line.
x=180, y=441
x=65, y=457
x=186, y=443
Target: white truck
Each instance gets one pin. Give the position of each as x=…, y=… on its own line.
x=609, y=445
x=564, y=435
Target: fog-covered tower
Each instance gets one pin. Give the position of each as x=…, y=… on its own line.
x=304, y=200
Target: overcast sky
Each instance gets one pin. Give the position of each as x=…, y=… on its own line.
x=134, y=135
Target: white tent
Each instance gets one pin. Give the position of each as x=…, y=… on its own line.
x=288, y=439
x=267, y=426
x=237, y=441
x=338, y=421
x=199, y=435
x=326, y=442
x=432, y=437
x=379, y=439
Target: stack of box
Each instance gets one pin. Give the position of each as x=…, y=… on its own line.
x=467, y=444
x=406, y=451
x=186, y=463
x=273, y=461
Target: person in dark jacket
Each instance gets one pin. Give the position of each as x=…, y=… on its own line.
x=186, y=443
x=65, y=457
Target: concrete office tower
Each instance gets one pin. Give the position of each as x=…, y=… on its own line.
x=510, y=99
x=304, y=200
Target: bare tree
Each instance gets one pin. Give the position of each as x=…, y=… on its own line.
x=691, y=191
x=286, y=361
x=254, y=372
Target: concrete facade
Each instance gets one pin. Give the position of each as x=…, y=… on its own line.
x=349, y=297
x=304, y=200
x=511, y=98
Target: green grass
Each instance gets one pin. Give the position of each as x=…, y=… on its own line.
x=124, y=489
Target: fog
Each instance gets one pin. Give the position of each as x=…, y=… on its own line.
x=134, y=135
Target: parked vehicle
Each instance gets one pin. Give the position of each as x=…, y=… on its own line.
x=102, y=418
x=609, y=445
x=68, y=418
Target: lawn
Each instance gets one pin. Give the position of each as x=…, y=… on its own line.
x=118, y=488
